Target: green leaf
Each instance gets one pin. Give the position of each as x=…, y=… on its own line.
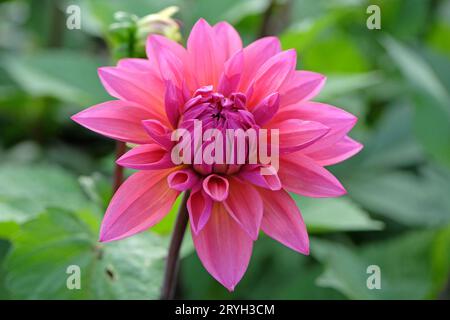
x=438, y=35
x=432, y=127
x=431, y=97
x=4, y=248
x=28, y=190
x=413, y=200
x=343, y=271
x=440, y=261
x=341, y=85
x=405, y=265
x=335, y=214
x=68, y=76
x=48, y=245
x=288, y=274
x=417, y=71
x=382, y=151
x=165, y=226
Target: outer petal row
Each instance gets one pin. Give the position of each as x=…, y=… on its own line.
x=140, y=203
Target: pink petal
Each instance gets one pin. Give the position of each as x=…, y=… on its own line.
x=140, y=203
x=182, y=180
x=255, y=55
x=216, y=187
x=169, y=56
x=159, y=133
x=133, y=86
x=199, y=207
x=296, y=134
x=146, y=157
x=340, y=151
x=173, y=101
x=283, y=221
x=272, y=75
x=252, y=174
x=228, y=37
x=116, y=119
x=302, y=85
x=231, y=76
x=339, y=121
x=136, y=64
x=223, y=248
x=207, y=58
x=157, y=43
x=245, y=206
x=266, y=109
x=299, y=174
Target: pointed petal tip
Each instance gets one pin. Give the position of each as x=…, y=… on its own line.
x=201, y=23
x=120, y=161
x=303, y=251
x=202, y=20
x=302, y=248
x=101, y=71
x=230, y=288
x=222, y=23
x=103, y=238
x=358, y=147
x=75, y=118
x=229, y=285
x=81, y=117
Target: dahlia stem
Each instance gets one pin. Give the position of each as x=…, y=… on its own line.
x=121, y=148
x=171, y=272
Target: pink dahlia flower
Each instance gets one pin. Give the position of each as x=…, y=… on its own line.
x=224, y=85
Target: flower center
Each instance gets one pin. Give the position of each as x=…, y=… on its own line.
x=212, y=110
x=217, y=111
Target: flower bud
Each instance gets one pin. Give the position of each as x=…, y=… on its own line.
x=129, y=33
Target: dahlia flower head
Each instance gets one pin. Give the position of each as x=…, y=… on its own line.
x=217, y=81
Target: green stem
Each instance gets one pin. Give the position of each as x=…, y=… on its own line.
x=171, y=273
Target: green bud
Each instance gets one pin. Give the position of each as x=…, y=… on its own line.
x=129, y=33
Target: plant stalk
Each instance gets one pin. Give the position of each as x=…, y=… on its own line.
x=121, y=148
x=172, y=265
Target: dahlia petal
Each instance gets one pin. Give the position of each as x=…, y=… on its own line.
x=229, y=80
x=133, y=86
x=199, y=207
x=140, y=203
x=252, y=174
x=255, y=55
x=164, y=51
x=302, y=85
x=165, y=44
x=340, y=151
x=207, y=59
x=266, y=109
x=272, y=75
x=300, y=174
x=296, y=134
x=159, y=133
x=216, y=187
x=173, y=101
x=339, y=121
x=116, y=119
x=182, y=180
x=135, y=64
x=223, y=247
x=228, y=37
x=146, y=157
x=244, y=204
x=283, y=221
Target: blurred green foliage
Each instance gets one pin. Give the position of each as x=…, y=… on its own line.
x=55, y=176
